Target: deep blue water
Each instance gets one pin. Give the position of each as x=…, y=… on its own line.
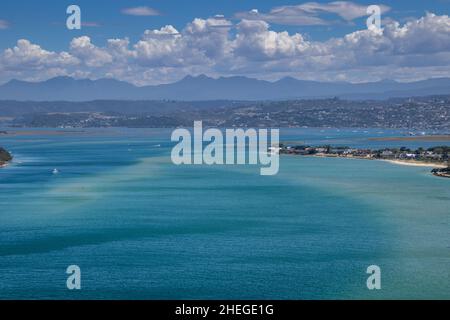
x=140, y=227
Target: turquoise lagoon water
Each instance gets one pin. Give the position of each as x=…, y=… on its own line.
x=142, y=228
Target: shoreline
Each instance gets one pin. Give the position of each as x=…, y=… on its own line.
x=409, y=163
x=436, y=158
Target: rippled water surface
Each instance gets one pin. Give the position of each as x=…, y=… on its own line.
x=140, y=227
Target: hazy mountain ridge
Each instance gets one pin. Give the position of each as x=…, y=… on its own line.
x=202, y=88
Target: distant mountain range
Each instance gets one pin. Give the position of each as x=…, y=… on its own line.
x=202, y=88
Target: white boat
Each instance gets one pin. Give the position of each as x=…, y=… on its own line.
x=55, y=171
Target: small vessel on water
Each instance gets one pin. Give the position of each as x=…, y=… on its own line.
x=55, y=171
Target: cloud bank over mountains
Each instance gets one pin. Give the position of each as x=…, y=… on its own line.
x=218, y=46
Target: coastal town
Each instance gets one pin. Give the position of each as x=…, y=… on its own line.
x=429, y=114
x=437, y=157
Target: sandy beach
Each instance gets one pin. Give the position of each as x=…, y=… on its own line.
x=416, y=163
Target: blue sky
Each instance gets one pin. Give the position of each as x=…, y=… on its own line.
x=42, y=23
